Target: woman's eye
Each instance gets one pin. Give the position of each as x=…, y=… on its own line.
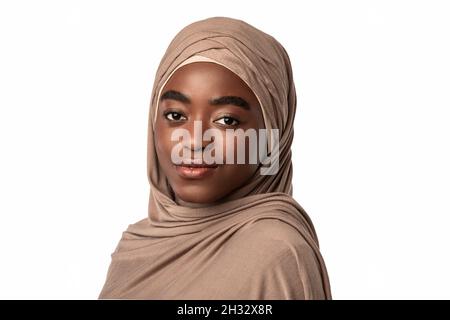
x=174, y=116
x=228, y=121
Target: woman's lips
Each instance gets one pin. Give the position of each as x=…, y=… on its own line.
x=195, y=171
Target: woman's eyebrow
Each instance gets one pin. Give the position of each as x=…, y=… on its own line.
x=174, y=95
x=233, y=100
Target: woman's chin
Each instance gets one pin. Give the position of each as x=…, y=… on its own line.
x=196, y=194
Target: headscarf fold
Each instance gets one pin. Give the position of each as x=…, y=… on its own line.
x=258, y=242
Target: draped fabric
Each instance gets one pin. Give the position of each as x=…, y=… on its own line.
x=258, y=242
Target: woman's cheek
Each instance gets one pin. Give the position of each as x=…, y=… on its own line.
x=163, y=143
x=226, y=145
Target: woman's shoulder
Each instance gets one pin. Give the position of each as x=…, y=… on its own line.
x=269, y=240
x=273, y=230
x=277, y=255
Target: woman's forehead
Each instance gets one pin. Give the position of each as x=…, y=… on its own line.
x=208, y=78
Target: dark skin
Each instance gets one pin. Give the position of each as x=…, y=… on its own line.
x=187, y=97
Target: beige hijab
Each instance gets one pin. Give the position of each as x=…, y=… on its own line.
x=258, y=243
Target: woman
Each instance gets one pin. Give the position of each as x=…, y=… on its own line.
x=221, y=229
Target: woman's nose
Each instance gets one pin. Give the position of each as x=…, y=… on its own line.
x=196, y=130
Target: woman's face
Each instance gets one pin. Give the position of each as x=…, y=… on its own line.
x=198, y=92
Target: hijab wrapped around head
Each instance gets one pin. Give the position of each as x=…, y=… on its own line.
x=258, y=243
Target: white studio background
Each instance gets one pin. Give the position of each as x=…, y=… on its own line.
x=371, y=152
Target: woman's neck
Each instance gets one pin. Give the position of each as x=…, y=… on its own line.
x=193, y=204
